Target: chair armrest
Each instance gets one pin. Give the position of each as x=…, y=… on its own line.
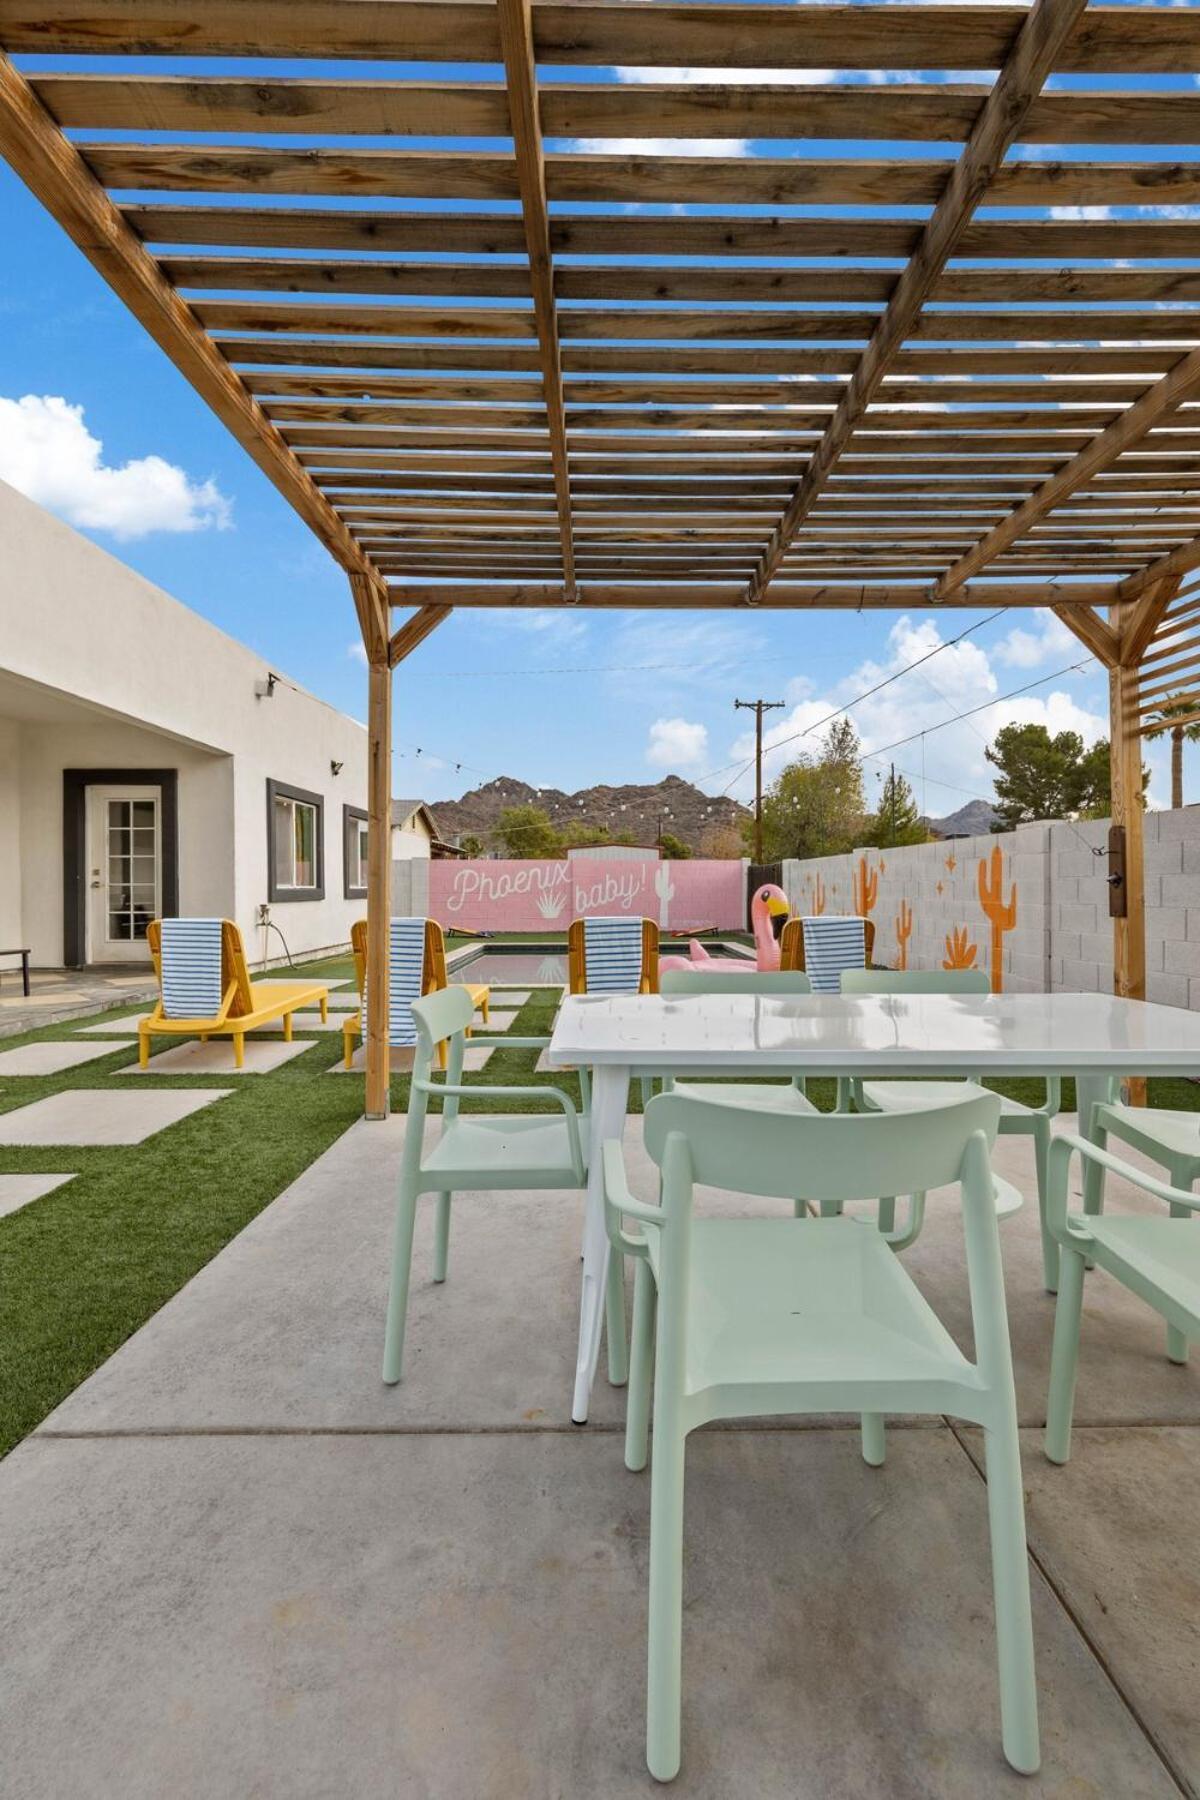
x=493, y=1092
x=619, y=1203
x=1062, y=1149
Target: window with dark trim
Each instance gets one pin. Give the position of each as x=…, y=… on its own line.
x=354, y=853
x=295, y=843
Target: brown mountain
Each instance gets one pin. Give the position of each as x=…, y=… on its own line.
x=637, y=813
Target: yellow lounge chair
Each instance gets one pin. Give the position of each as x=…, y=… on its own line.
x=791, y=943
x=244, y=1003
x=434, y=979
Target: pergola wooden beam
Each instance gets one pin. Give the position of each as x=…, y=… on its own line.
x=53, y=169
x=516, y=36
x=595, y=33
x=785, y=595
x=1020, y=81
x=1157, y=404
x=414, y=631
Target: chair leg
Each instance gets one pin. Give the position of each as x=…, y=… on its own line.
x=324, y=1009
x=1064, y=1355
x=1041, y=1157
x=1010, y=1586
x=441, y=1238
x=239, y=1049
x=1177, y=1343
x=614, y=1321
x=647, y=1087
x=887, y=1213
x=664, y=1672
x=641, y=1367
x=873, y=1439
x=397, y=1311
x=143, y=1049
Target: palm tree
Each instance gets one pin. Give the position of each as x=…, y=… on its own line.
x=1180, y=713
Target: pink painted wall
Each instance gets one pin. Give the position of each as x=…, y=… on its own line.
x=540, y=896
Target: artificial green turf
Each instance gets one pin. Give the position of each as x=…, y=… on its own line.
x=84, y=1267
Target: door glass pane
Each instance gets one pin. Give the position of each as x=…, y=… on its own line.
x=359, y=867
x=132, y=868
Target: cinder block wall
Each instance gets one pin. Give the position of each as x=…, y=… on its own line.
x=1046, y=917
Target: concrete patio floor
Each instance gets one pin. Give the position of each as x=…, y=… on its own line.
x=238, y=1565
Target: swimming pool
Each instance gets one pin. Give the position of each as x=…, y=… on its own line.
x=545, y=965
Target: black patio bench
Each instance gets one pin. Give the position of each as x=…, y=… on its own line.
x=24, y=956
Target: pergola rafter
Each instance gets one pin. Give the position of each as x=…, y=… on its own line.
x=536, y=333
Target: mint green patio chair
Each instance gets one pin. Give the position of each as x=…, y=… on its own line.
x=777, y=1096
x=1016, y=1119
x=749, y=1317
x=1156, y=1258
x=480, y=1151
x=1170, y=1139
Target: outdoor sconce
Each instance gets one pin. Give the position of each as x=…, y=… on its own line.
x=265, y=690
x=335, y=768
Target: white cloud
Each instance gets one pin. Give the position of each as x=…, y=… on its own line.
x=48, y=453
x=1023, y=649
x=545, y=624
x=948, y=766
x=657, y=146
x=356, y=650
x=676, y=744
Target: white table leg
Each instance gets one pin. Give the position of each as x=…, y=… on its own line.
x=610, y=1102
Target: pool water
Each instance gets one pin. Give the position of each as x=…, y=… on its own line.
x=545, y=965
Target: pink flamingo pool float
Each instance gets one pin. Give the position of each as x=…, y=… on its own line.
x=767, y=903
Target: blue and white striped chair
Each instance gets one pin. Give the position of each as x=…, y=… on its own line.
x=612, y=954
x=406, y=981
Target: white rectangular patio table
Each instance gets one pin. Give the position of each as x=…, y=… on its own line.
x=1092, y=1037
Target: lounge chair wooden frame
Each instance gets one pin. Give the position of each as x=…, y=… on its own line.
x=791, y=943
x=577, y=968
x=244, y=1004
x=434, y=978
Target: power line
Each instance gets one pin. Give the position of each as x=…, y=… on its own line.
x=887, y=681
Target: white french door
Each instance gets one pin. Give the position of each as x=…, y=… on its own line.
x=124, y=832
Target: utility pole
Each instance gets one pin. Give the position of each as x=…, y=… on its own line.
x=892, y=790
x=758, y=708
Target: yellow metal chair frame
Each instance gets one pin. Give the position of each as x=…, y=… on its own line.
x=244, y=1004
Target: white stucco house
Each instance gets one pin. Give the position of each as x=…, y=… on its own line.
x=151, y=764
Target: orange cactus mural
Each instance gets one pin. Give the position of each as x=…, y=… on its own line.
x=960, y=951
x=1003, y=917
x=952, y=862
x=818, y=898
x=866, y=888
x=939, y=887
x=904, y=924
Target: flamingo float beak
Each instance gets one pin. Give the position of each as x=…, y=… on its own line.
x=776, y=907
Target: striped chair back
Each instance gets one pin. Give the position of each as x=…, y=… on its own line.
x=190, y=968
x=406, y=980
x=612, y=955
x=833, y=942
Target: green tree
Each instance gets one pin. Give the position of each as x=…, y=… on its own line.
x=673, y=847
x=898, y=820
x=815, y=806
x=1174, y=712
x=579, y=835
x=1044, y=777
x=471, y=844
x=527, y=831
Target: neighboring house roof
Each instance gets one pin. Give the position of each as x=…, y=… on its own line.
x=410, y=812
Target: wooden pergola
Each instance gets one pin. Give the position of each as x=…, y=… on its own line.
x=498, y=346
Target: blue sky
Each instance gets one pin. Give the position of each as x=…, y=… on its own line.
x=562, y=699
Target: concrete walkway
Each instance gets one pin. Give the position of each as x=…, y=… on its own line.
x=236, y=1565
x=58, y=994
